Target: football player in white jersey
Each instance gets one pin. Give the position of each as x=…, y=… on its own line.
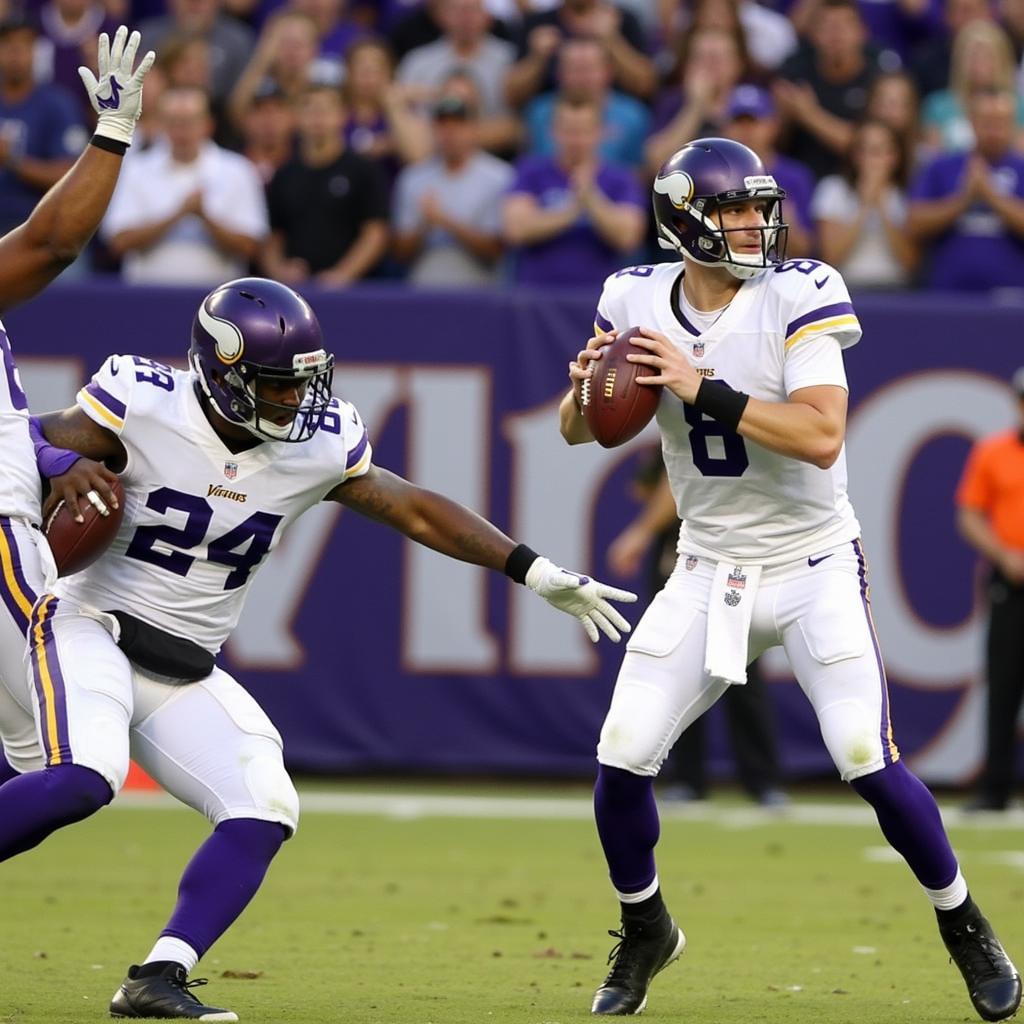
x=216, y=463
x=748, y=347
x=31, y=256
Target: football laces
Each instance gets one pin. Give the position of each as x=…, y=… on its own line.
x=585, y=391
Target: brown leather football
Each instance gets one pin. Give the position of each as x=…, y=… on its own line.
x=615, y=407
x=77, y=545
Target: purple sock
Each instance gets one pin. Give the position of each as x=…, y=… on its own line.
x=628, y=825
x=911, y=822
x=221, y=878
x=6, y=771
x=37, y=803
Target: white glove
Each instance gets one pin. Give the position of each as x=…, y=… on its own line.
x=117, y=95
x=580, y=596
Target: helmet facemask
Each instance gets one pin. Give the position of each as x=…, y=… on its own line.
x=234, y=392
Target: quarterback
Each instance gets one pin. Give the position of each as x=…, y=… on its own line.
x=748, y=347
x=217, y=461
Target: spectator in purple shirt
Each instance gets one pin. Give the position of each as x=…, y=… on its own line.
x=710, y=63
x=751, y=119
x=573, y=219
x=381, y=119
x=41, y=130
x=68, y=33
x=968, y=208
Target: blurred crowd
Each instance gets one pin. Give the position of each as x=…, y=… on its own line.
x=472, y=142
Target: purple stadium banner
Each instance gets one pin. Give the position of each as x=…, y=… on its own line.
x=373, y=654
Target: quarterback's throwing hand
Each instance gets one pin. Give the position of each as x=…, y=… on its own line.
x=116, y=95
x=581, y=596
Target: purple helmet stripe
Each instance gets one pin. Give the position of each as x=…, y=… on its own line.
x=106, y=399
x=48, y=680
x=890, y=752
x=821, y=313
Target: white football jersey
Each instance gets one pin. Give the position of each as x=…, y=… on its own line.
x=20, y=491
x=199, y=519
x=783, y=331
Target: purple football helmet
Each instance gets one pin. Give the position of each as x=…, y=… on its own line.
x=254, y=330
x=691, y=187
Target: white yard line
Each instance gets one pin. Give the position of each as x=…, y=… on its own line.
x=411, y=806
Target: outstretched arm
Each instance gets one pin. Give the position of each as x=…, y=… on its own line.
x=35, y=252
x=446, y=526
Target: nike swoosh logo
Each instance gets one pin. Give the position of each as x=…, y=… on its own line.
x=821, y=284
x=115, y=368
x=113, y=101
x=812, y=562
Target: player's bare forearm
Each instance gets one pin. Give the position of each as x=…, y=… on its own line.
x=426, y=517
x=927, y=218
x=57, y=230
x=975, y=529
x=72, y=429
x=810, y=426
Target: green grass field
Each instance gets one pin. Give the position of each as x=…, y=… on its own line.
x=369, y=919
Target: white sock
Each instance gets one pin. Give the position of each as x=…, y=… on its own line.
x=952, y=896
x=638, y=897
x=168, y=948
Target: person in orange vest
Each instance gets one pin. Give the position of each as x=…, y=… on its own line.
x=990, y=516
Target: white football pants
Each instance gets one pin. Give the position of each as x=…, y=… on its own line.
x=821, y=615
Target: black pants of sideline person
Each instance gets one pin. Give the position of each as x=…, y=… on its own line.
x=1005, y=671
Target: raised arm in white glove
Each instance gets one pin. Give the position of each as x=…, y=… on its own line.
x=116, y=95
x=581, y=596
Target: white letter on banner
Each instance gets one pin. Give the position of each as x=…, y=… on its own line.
x=444, y=620
x=49, y=383
x=555, y=490
x=885, y=434
x=263, y=637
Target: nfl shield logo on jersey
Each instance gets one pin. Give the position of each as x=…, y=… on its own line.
x=231, y=470
x=691, y=563
x=736, y=579
x=698, y=350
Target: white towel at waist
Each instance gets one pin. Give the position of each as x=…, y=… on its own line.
x=730, y=607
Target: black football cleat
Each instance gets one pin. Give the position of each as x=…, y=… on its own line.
x=641, y=952
x=992, y=981
x=165, y=996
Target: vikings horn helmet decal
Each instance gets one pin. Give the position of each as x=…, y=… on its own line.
x=695, y=183
x=227, y=338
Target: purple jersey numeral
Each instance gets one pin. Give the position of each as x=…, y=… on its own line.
x=258, y=530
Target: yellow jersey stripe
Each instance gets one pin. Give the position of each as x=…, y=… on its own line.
x=11, y=580
x=360, y=465
x=99, y=407
x=46, y=681
x=822, y=327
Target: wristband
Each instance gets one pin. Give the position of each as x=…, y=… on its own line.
x=110, y=145
x=518, y=563
x=50, y=460
x=720, y=402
